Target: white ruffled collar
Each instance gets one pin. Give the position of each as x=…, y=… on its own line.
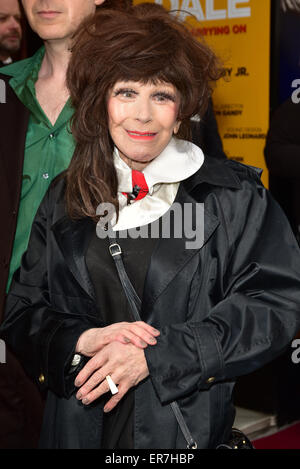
x=178, y=161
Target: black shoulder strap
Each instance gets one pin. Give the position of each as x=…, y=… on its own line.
x=135, y=304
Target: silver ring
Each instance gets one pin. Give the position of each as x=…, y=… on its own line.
x=113, y=388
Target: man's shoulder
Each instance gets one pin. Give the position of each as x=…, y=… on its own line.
x=21, y=67
x=15, y=68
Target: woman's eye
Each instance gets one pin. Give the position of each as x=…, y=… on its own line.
x=162, y=97
x=125, y=93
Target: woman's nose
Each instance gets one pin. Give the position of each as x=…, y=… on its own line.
x=143, y=111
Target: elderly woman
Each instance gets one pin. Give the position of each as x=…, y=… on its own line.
x=219, y=288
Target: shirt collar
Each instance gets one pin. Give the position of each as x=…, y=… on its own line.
x=22, y=69
x=7, y=61
x=177, y=162
x=23, y=76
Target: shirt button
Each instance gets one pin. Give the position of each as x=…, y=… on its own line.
x=51, y=136
x=46, y=176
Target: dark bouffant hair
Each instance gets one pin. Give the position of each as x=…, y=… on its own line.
x=143, y=43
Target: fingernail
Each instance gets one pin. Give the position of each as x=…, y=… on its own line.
x=143, y=343
x=126, y=340
x=78, y=395
x=85, y=401
x=77, y=383
x=153, y=341
x=106, y=410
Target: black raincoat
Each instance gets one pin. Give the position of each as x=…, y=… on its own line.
x=224, y=309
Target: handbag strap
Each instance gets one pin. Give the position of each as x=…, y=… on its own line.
x=135, y=304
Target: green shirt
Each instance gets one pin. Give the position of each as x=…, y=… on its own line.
x=48, y=150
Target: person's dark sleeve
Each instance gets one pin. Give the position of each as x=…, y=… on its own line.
x=282, y=150
x=257, y=317
x=43, y=338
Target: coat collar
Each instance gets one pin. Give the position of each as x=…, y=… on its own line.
x=216, y=173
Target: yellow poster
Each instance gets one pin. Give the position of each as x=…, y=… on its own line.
x=239, y=33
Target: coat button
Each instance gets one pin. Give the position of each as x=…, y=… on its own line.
x=41, y=378
x=210, y=380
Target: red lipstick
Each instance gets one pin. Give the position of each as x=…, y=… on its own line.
x=136, y=135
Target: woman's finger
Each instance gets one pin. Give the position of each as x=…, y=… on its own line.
x=137, y=336
x=138, y=333
x=126, y=337
x=87, y=395
x=115, y=399
x=139, y=328
x=152, y=330
x=92, y=366
x=142, y=334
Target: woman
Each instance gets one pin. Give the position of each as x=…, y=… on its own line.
x=213, y=307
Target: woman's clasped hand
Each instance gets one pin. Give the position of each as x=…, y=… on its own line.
x=116, y=350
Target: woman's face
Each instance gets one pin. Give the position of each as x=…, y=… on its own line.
x=142, y=119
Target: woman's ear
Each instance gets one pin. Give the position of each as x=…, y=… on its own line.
x=176, y=127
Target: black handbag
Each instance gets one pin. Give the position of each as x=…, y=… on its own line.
x=237, y=440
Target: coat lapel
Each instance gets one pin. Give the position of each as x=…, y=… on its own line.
x=73, y=238
x=172, y=253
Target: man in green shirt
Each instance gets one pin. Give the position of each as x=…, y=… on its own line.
x=48, y=150
x=35, y=146
x=39, y=83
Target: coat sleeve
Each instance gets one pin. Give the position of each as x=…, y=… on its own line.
x=258, y=314
x=43, y=338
